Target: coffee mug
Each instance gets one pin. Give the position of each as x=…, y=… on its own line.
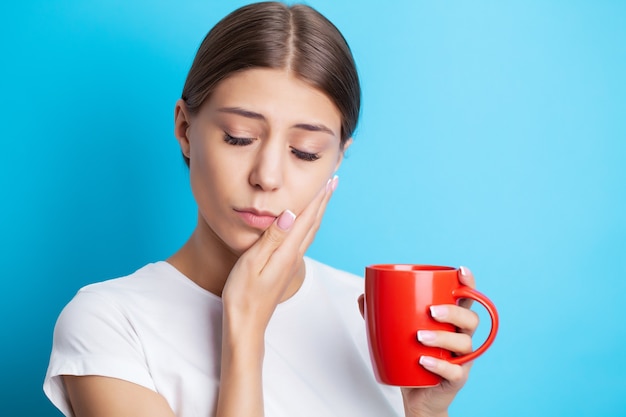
x=397, y=302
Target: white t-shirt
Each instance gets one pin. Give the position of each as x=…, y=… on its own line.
x=158, y=329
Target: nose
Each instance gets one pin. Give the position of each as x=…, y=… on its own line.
x=267, y=170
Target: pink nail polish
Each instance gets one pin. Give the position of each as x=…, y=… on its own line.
x=438, y=311
x=427, y=362
x=286, y=220
x=425, y=336
x=334, y=182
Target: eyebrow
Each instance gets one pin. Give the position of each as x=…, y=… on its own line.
x=258, y=116
x=241, y=112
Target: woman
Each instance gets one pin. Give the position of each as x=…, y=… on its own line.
x=238, y=322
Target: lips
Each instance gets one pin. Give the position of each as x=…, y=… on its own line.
x=256, y=219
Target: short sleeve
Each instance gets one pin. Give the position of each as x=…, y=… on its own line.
x=93, y=336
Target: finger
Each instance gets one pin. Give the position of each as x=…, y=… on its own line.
x=466, y=278
x=288, y=251
x=276, y=234
x=361, y=302
x=259, y=254
x=308, y=239
x=459, y=343
x=454, y=374
x=460, y=317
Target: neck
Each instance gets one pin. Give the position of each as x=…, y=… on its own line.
x=207, y=261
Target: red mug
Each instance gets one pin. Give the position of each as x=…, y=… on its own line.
x=397, y=302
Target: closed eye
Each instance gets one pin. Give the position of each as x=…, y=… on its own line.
x=305, y=156
x=236, y=141
x=232, y=140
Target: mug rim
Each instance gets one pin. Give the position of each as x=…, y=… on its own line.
x=410, y=267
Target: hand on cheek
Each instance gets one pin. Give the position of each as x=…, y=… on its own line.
x=260, y=277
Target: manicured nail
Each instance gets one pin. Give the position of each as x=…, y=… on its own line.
x=329, y=184
x=428, y=362
x=438, y=311
x=463, y=271
x=334, y=182
x=425, y=336
x=285, y=220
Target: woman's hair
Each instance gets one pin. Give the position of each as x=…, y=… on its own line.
x=274, y=35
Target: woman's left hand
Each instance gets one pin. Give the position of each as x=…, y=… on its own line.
x=434, y=401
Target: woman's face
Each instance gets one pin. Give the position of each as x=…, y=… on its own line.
x=262, y=143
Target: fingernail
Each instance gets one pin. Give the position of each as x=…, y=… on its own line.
x=425, y=336
x=329, y=184
x=438, y=311
x=334, y=182
x=463, y=271
x=427, y=362
x=285, y=220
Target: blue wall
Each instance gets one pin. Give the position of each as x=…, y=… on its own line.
x=493, y=135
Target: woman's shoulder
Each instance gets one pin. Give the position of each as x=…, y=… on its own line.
x=145, y=289
x=146, y=282
x=144, y=300
x=106, y=297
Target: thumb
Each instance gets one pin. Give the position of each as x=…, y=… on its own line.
x=361, y=302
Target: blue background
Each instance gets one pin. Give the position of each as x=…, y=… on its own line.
x=493, y=135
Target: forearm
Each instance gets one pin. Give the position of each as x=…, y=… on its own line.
x=241, y=380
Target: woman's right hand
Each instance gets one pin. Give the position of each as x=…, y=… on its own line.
x=267, y=272
x=255, y=286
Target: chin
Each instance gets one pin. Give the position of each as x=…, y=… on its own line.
x=241, y=243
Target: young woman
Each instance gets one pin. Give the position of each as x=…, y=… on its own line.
x=238, y=322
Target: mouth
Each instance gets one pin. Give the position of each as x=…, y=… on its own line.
x=255, y=218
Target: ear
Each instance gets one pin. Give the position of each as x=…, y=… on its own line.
x=346, y=145
x=181, y=126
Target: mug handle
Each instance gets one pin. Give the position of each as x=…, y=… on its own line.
x=467, y=292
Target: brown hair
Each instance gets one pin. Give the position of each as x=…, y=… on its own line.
x=274, y=35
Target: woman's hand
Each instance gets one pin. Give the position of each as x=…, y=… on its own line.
x=434, y=401
x=263, y=274
x=256, y=284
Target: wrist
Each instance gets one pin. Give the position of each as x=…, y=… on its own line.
x=421, y=410
x=424, y=414
x=242, y=340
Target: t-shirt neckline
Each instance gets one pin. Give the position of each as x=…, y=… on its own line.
x=301, y=292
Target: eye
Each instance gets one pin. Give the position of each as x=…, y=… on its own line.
x=305, y=156
x=231, y=140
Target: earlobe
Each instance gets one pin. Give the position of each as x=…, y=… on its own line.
x=181, y=126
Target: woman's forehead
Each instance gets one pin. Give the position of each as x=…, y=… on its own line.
x=275, y=94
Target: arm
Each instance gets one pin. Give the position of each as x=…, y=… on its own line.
x=98, y=396
x=255, y=286
x=94, y=338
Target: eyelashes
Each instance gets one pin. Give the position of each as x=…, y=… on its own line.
x=231, y=140
x=304, y=156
